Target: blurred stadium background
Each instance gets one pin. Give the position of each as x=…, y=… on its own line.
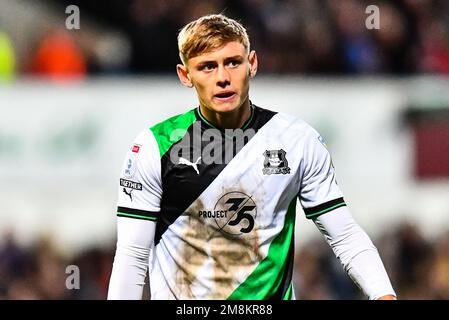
x=71, y=102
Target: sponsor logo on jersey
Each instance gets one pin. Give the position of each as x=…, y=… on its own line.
x=129, y=187
x=194, y=165
x=212, y=145
x=128, y=193
x=235, y=213
x=130, y=184
x=275, y=162
x=213, y=213
x=136, y=148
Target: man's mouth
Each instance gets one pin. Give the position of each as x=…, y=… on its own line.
x=225, y=96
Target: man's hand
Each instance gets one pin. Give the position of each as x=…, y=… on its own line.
x=388, y=297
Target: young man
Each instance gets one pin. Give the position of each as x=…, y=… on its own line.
x=208, y=197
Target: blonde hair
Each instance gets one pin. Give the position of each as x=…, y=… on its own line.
x=208, y=33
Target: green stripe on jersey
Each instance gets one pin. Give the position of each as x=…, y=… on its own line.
x=289, y=293
x=312, y=215
x=265, y=280
x=122, y=214
x=170, y=131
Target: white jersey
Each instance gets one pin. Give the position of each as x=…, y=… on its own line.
x=224, y=207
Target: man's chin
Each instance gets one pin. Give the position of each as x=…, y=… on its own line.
x=225, y=107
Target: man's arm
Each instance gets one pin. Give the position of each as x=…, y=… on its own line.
x=138, y=209
x=322, y=201
x=134, y=242
x=356, y=252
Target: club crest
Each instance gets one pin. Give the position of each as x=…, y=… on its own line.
x=275, y=162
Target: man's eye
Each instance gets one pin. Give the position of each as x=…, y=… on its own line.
x=233, y=63
x=207, y=67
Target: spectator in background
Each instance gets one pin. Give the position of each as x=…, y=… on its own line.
x=439, y=272
x=58, y=57
x=37, y=271
x=151, y=28
x=435, y=49
x=413, y=261
x=360, y=52
x=7, y=58
x=25, y=272
x=307, y=37
x=418, y=266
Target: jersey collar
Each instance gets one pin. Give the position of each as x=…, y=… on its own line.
x=206, y=123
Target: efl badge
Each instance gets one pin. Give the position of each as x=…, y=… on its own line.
x=135, y=148
x=275, y=162
x=130, y=166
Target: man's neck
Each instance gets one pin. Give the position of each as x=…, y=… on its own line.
x=229, y=120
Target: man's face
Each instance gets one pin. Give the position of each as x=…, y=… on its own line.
x=221, y=77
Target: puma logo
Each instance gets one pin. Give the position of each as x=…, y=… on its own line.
x=128, y=193
x=188, y=163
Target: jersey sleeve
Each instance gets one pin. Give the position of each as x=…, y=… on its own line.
x=319, y=192
x=140, y=187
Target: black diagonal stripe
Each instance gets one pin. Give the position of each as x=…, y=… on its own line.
x=181, y=185
x=288, y=273
x=137, y=212
x=324, y=207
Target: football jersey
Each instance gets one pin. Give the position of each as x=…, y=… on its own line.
x=224, y=202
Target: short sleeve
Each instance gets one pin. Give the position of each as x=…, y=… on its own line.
x=319, y=192
x=140, y=187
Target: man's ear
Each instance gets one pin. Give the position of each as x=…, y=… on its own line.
x=253, y=63
x=183, y=75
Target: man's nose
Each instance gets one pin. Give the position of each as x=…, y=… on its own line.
x=223, y=77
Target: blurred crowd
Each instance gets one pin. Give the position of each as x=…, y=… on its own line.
x=41, y=271
x=291, y=36
x=418, y=268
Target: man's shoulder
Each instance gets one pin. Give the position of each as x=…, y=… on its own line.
x=302, y=129
x=170, y=130
x=291, y=122
x=179, y=121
